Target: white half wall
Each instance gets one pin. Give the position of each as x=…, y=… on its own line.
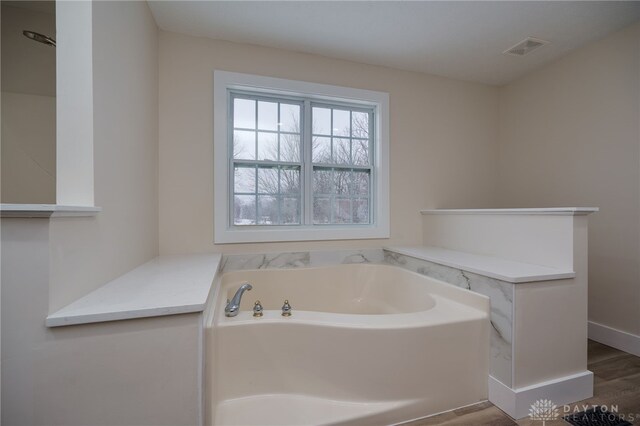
x=505, y=236
x=112, y=373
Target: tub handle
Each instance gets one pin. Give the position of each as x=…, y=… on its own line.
x=286, y=309
x=257, y=309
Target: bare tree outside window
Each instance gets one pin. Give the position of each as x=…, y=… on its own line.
x=341, y=165
x=266, y=152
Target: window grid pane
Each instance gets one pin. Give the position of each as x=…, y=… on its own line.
x=262, y=191
x=340, y=136
x=267, y=149
x=261, y=132
x=341, y=195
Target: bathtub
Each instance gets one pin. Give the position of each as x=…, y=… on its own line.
x=365, y=345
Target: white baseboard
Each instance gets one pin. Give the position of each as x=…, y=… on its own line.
x=563, y=390
x=615, y=338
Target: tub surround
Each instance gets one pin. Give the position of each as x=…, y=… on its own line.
x=166, y=285
x=177, y=284
x=500, y=293
x=473, y=272
x=485, y=252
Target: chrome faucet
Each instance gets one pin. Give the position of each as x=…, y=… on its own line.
x=233, y=306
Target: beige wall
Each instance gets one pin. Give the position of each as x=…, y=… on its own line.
x=28, y=66
x=569, y=135
x=442, y=138
x=28, y=147
x=87, y=252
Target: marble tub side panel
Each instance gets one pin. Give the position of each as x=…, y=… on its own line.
x=430, y=269
x=500, y=293
x=335, y=257
x=239, y=262
x=301, y=259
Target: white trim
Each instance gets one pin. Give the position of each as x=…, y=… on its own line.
x=201, y=370
x=561, y=391
x=74, y=103
x=307, y=177
x=562, y=211
x=223, y=81
x=46, y=210
x=615, y=338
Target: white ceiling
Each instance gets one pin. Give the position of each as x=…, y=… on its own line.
x=462, y=40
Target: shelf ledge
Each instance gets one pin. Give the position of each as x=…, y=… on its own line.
x=46, y=210
x=488, y=266
x=562, y=211
x=166, y=285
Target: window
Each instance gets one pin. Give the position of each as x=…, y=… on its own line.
x=266, y=148
x=298, y=161
x=341, y=158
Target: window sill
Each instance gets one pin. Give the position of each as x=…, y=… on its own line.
x=320, y=233
x=46, y=210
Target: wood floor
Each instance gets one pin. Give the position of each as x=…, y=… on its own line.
x=617, y=381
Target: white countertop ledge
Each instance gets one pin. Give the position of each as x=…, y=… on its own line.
x=563, y=211
x=488, y=266
x=47, y=210
x=166, y=285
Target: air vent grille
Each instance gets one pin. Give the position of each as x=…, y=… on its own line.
x=525, y=46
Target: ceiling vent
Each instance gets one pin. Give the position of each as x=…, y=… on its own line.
x=526, y=46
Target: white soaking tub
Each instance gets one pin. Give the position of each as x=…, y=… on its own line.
x=365, y=345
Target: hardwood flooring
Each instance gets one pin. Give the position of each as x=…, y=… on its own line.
x=616, y=382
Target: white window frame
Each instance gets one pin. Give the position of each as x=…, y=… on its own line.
x=224, y=232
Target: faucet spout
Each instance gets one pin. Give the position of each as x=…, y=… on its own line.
x=233, y=306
